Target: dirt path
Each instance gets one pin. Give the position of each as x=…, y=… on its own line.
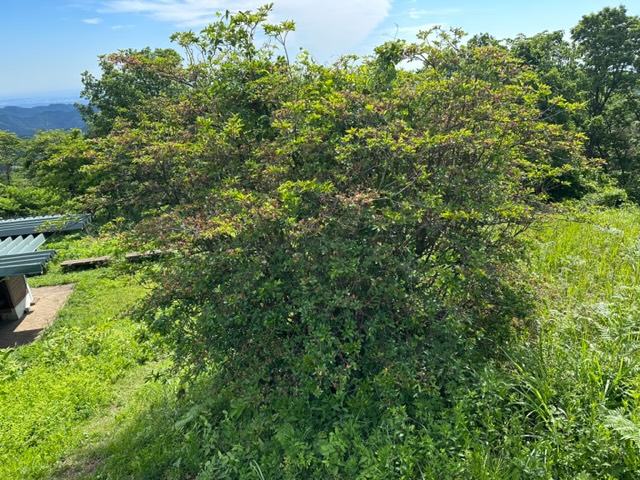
x=46, y=302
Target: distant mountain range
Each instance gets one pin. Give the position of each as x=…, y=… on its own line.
x=26, y=121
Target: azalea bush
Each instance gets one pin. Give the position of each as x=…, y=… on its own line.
x=346, y=236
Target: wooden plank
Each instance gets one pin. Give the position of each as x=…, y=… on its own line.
x=147, y=255
x=17, y=288
x=85, y=262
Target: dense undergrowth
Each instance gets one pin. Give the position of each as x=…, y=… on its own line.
x=560, y=401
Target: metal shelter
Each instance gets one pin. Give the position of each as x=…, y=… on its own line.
x=43, y=224
x=19, y=240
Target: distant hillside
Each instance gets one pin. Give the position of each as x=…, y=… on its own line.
x=26, y=121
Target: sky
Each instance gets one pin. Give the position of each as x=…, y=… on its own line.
x=45, y=45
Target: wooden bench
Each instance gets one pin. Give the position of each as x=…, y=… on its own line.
x=80, y=263
x=142, y=256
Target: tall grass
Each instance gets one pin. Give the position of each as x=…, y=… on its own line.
x=52, y=388
x=577, y=381
x=588, y=259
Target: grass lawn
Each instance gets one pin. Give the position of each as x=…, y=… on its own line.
x=53, y=390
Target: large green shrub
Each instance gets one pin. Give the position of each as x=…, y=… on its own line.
x=343, y=237
x=328, y=220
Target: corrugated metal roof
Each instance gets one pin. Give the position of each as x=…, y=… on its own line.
x=20, y=237
x=21, y=244
x=24, y=263
x=44, y=224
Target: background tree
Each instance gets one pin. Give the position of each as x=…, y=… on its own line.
x=555, y=61
x=20, y=193
x=54, y=160
x=10, y=145
x=128, y=78
x=608, y=43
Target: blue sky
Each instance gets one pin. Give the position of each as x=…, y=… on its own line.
x=46, y=44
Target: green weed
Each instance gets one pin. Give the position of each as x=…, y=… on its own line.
x=54, y=386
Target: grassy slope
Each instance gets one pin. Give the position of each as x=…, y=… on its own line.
x=582, y=380
x=52, y=388
x=564, y=404
x=593, y=259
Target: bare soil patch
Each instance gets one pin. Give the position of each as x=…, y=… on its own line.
x=46, y=302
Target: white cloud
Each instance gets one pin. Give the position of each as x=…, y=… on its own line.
x=325, y=27
x=184, y=13
x=409, y=33
x=416, y=13
x=92, y=21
